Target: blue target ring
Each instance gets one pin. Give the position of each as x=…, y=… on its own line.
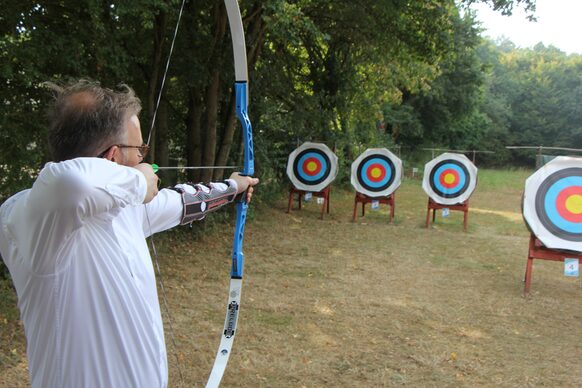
x=449, y=192
x=301, y=166
x=546, y=202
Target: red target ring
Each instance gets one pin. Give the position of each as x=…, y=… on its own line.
x=311, y=167
x=568, y=204
x=449, y=178
x=376, y=172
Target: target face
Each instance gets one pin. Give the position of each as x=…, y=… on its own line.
x=449, y=179
x=376, y=173
x=312, y=167
x=552, y=205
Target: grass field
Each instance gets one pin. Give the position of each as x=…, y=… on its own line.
x=332, y=303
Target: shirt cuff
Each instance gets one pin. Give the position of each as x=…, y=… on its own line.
x=232, y=183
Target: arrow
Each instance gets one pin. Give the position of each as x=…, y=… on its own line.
x=157, y=168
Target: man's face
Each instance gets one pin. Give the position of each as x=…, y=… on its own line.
x=130, y=156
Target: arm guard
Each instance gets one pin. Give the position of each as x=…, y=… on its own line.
x=199, y=199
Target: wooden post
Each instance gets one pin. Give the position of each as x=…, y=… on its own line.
x=463, y=206
x=325, y=194
x=389, y=200
x=537, y=250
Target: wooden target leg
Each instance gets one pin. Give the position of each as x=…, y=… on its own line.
x=427, y=214
x=433, y=215
x=323, y=207
x=290, y=200
x=300, y=199
x=466, y=215
x=529, y=265
x=392, y=205
x=328, y=196
x=528, y=274
x=355, y=215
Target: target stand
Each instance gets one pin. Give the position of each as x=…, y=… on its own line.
x=449, y=180
x=376, y=175
x=311, y=168
x=300, y=193
x=537, y=250
x=432, y=205
x=389, y=200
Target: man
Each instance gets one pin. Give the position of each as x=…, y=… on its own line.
x=75, y=245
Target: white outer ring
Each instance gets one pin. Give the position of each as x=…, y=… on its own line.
x=397, y=172
x=332, y=165
x=530, y=215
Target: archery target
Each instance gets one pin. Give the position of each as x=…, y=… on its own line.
x=552, y=204
x=449, y=179
x=376, y=173
x=312, y=167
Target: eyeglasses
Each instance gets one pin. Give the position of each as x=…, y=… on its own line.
x=143, y=149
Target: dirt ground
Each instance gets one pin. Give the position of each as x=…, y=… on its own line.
x=333, y=303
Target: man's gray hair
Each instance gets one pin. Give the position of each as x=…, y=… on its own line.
x=86, y=118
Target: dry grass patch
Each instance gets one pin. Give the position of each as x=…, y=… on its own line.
x=342, y=304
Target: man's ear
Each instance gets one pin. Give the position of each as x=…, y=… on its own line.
x=111, y=154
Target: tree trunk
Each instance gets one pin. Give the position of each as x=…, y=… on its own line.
x=212, y=93
x=157, y=66
x=227, y=136
x=162, y=156
x=194, y=136
x=211, y=124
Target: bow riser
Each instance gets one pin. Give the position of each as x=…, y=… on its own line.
x=241, y=90
x=239, y=232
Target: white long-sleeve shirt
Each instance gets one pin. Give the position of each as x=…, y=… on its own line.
x=75, y=247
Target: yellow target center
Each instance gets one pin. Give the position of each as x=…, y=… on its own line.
x=311, y=166
x=574, y=204
x=449, y=178
x=376, y=172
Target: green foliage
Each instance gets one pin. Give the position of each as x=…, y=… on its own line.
x=350, y=74
x=531, y=99
x=445, y=112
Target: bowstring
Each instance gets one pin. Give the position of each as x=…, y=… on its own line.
x=153, y=245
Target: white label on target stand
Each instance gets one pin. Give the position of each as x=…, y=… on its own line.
x=446, y=212
x=571, y=267
x=307, y=197
x=320, y=201
x=375, y=205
